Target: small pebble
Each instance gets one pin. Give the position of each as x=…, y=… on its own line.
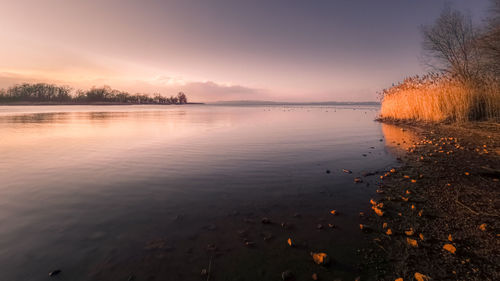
x=286, y=225
x=365, y=228
x=287, y=275
x=242, y=233
x=320, y=258
x=211, y=227
x=55, y=272
x=268, y=237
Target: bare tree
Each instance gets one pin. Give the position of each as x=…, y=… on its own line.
x=450, y=45
x=489, y=42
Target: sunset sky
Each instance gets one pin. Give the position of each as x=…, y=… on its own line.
x=286, y=50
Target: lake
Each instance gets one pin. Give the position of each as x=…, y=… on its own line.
x=151, y=192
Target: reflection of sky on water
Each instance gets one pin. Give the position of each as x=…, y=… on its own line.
x=123, y=171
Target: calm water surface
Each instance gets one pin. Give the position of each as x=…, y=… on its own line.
x=141, y=192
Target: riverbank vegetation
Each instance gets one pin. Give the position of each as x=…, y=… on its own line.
x=464, y=84
x=42, y=93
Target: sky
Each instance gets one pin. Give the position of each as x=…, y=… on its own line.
x=281, y=50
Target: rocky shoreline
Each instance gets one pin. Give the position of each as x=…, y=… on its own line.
x=437, y=215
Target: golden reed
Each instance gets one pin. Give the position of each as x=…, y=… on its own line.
x=437, y=98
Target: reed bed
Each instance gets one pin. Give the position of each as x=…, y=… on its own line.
x=437, y=98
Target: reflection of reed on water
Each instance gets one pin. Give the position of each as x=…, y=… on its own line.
x=397, y=139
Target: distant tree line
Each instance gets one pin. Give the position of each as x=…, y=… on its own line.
x=49, y=93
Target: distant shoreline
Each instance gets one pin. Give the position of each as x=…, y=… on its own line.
x=224, y=103
x=252, y=102
x=86, y=103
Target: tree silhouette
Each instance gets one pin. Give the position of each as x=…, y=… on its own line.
x=450, y=44
x=181, y=97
